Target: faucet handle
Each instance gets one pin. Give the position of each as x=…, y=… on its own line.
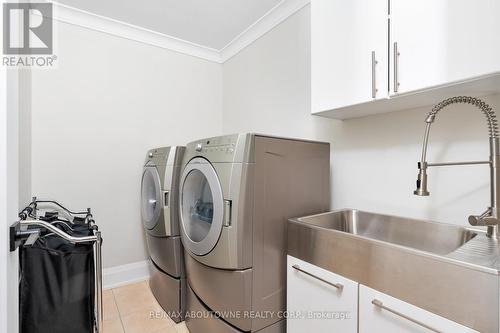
x=485, y=219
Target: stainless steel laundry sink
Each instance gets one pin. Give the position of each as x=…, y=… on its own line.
x=438, y=238
x=445, y=269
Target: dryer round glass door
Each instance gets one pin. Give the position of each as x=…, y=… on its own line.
x=150, y=197
x=201, y=207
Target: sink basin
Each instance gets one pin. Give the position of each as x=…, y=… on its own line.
x=445, y=269
x=437, y=238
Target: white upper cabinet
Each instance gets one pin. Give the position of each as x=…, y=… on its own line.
x=442, y=41
x=424, y=51
x=349, y=52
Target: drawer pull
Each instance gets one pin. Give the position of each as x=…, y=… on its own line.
x=381, y=306
x=339, y=286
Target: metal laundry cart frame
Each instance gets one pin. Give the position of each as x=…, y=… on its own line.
x=19, y=234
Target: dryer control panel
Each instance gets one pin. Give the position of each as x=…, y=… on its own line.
x=229, y=148
x=212, y=148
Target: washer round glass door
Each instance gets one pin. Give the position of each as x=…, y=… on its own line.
x=201, y=206
x=150, y=197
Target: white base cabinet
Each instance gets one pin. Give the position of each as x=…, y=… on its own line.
x=379, y=312
x=315, y=305
x=321, y=301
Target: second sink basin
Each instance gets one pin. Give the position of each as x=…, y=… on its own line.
x=437, y=238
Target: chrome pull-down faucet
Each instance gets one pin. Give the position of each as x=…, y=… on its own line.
x=490, y=217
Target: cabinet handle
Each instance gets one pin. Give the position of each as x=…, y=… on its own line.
x=374, y=75
x=396, y=69
x=381, y=306
x=339, y=286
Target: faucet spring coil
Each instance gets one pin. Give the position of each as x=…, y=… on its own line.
x=485, y=108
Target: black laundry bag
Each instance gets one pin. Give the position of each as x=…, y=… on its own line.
x=57, y=284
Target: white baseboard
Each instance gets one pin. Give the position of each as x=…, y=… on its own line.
x=126, y=274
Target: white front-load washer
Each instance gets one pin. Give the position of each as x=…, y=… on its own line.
x=160, y=218
x=236, y=194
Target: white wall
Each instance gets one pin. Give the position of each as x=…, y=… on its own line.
x=95, y=116
x=267, y=85
x=15, y=142
x=25, y=139
x=267, y=89
x=9, y=195
x=3, y=204
x=110, y=99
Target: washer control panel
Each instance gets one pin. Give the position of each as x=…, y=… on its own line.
x=158, y=155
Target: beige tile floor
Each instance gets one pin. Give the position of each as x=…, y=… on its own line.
x=128, y=310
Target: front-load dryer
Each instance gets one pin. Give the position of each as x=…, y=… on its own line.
x=236, y=194
x=160, y=218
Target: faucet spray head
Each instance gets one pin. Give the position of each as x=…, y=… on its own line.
x=422, y=181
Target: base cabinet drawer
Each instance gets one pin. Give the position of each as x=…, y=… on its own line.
x=319, y=301
x=379, y=312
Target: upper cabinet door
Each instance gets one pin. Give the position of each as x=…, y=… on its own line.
x=442, y=41
x=349, y=46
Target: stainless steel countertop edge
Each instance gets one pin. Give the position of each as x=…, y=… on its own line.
x=445, y=258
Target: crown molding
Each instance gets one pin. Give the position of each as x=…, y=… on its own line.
x=283, y=10
x=121, y=29
x=267, y=22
